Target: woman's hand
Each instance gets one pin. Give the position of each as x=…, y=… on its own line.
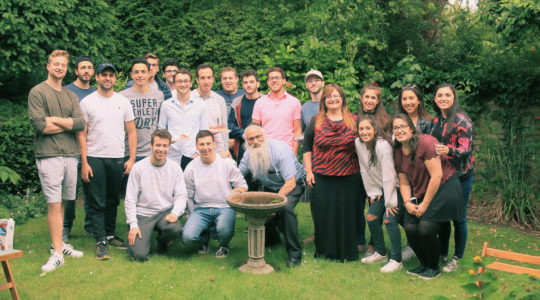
x=421, y=209
x=411, y=208
x=310, y=179
x=391, y=211
x=373, y=200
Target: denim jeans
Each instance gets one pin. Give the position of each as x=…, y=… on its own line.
x=202, y=219
x=460, y=226
x=378, y=210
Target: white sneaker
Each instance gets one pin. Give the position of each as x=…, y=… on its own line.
x=375, y=257
x=407, y=253
x=391, y=266
x=56, y=260
x=451, y=266
x=67, y=249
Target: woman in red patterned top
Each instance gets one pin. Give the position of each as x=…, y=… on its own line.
x=453, y=128
x=333, y=171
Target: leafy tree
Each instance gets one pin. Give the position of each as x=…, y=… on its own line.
x=31, y=29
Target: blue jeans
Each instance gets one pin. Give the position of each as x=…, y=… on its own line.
x=460, y=226
x=378, y=210
x=202, y=219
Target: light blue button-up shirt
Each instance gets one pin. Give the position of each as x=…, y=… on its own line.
x=284, y=166
x=187, y=121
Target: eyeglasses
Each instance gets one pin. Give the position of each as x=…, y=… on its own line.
x=171, y=71
x=409, y=86
x=183, y=81
x=401, y=127
x=257, y=137
x=332, y=97
x=274, y=78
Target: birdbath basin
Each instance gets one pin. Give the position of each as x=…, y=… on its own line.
x=256, y=206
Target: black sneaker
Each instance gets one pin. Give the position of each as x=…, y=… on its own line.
x=163, y=246
x=222, y=252
x=204, y=248
x=429, y=274
x=293, y=263
x=101, y=251
x=117, y=242
x=417, y=271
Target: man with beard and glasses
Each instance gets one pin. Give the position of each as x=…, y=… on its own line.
x=273, y=163
x=84, y=70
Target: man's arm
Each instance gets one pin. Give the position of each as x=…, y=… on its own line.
x=255, y=121
x=86, y=170
x=132, y=142
x=288, y=186
x=179, y=197
x=297, y=129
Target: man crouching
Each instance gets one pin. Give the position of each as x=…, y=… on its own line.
x=155, y=198
x=210, y=178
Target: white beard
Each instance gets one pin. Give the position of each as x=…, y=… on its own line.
x=259, y=159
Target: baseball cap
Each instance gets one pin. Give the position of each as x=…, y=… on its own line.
x=314, y=72
x=105, y=65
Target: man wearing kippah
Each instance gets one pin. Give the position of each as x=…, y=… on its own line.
x=84, y=70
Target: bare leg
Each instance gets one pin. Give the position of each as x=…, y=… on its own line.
x=55, y=219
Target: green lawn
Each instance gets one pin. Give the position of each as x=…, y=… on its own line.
x=184, y=274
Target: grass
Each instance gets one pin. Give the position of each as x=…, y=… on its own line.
x=184, y=274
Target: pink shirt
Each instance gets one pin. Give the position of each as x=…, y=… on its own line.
x=277, y=116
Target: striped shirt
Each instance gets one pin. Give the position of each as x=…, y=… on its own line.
x=217, y=116
x=333, y=148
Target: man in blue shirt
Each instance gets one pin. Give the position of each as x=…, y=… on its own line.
x=314, y=84
x=84, y=70
x=273, y=163
x=229, y=83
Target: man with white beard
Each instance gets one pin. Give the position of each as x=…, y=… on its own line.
x=273, y=163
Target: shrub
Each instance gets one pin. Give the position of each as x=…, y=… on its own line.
x=22, y=206
x=17, y=146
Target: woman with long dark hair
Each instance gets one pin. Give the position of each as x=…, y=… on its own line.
x=376, y=159
x=372, y=104
x=453, y=128
x=411, y=102
x=332, y=170
x=437, y=192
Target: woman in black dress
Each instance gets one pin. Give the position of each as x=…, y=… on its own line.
x=332, y=170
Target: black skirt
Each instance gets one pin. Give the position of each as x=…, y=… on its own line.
x=335, y=214
x=446, y=205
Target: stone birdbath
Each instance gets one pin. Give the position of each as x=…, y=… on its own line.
x=256, y=206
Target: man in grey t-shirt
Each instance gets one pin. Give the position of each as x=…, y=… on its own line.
x=145, y=103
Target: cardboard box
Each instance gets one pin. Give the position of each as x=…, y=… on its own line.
x=7, y=228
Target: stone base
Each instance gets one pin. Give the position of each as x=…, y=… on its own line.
x=256, y=267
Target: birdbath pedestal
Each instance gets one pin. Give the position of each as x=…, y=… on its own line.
x=256, y=206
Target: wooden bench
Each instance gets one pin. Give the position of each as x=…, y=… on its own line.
x=524, y=258
x=5, y=256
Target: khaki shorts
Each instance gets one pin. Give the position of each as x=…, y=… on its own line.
x=58, y=176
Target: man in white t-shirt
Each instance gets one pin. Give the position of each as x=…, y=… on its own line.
x=102, y=156
x=155, y=198
x=210, y=178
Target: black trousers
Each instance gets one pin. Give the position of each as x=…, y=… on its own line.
x=102, y=194
x=287, y=222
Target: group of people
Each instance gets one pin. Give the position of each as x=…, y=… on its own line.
x=182, y=151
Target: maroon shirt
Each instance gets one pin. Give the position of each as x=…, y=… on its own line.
x=417, y=173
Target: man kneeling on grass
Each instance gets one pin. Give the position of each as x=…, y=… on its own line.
x=209, y=178
x=155, y=198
